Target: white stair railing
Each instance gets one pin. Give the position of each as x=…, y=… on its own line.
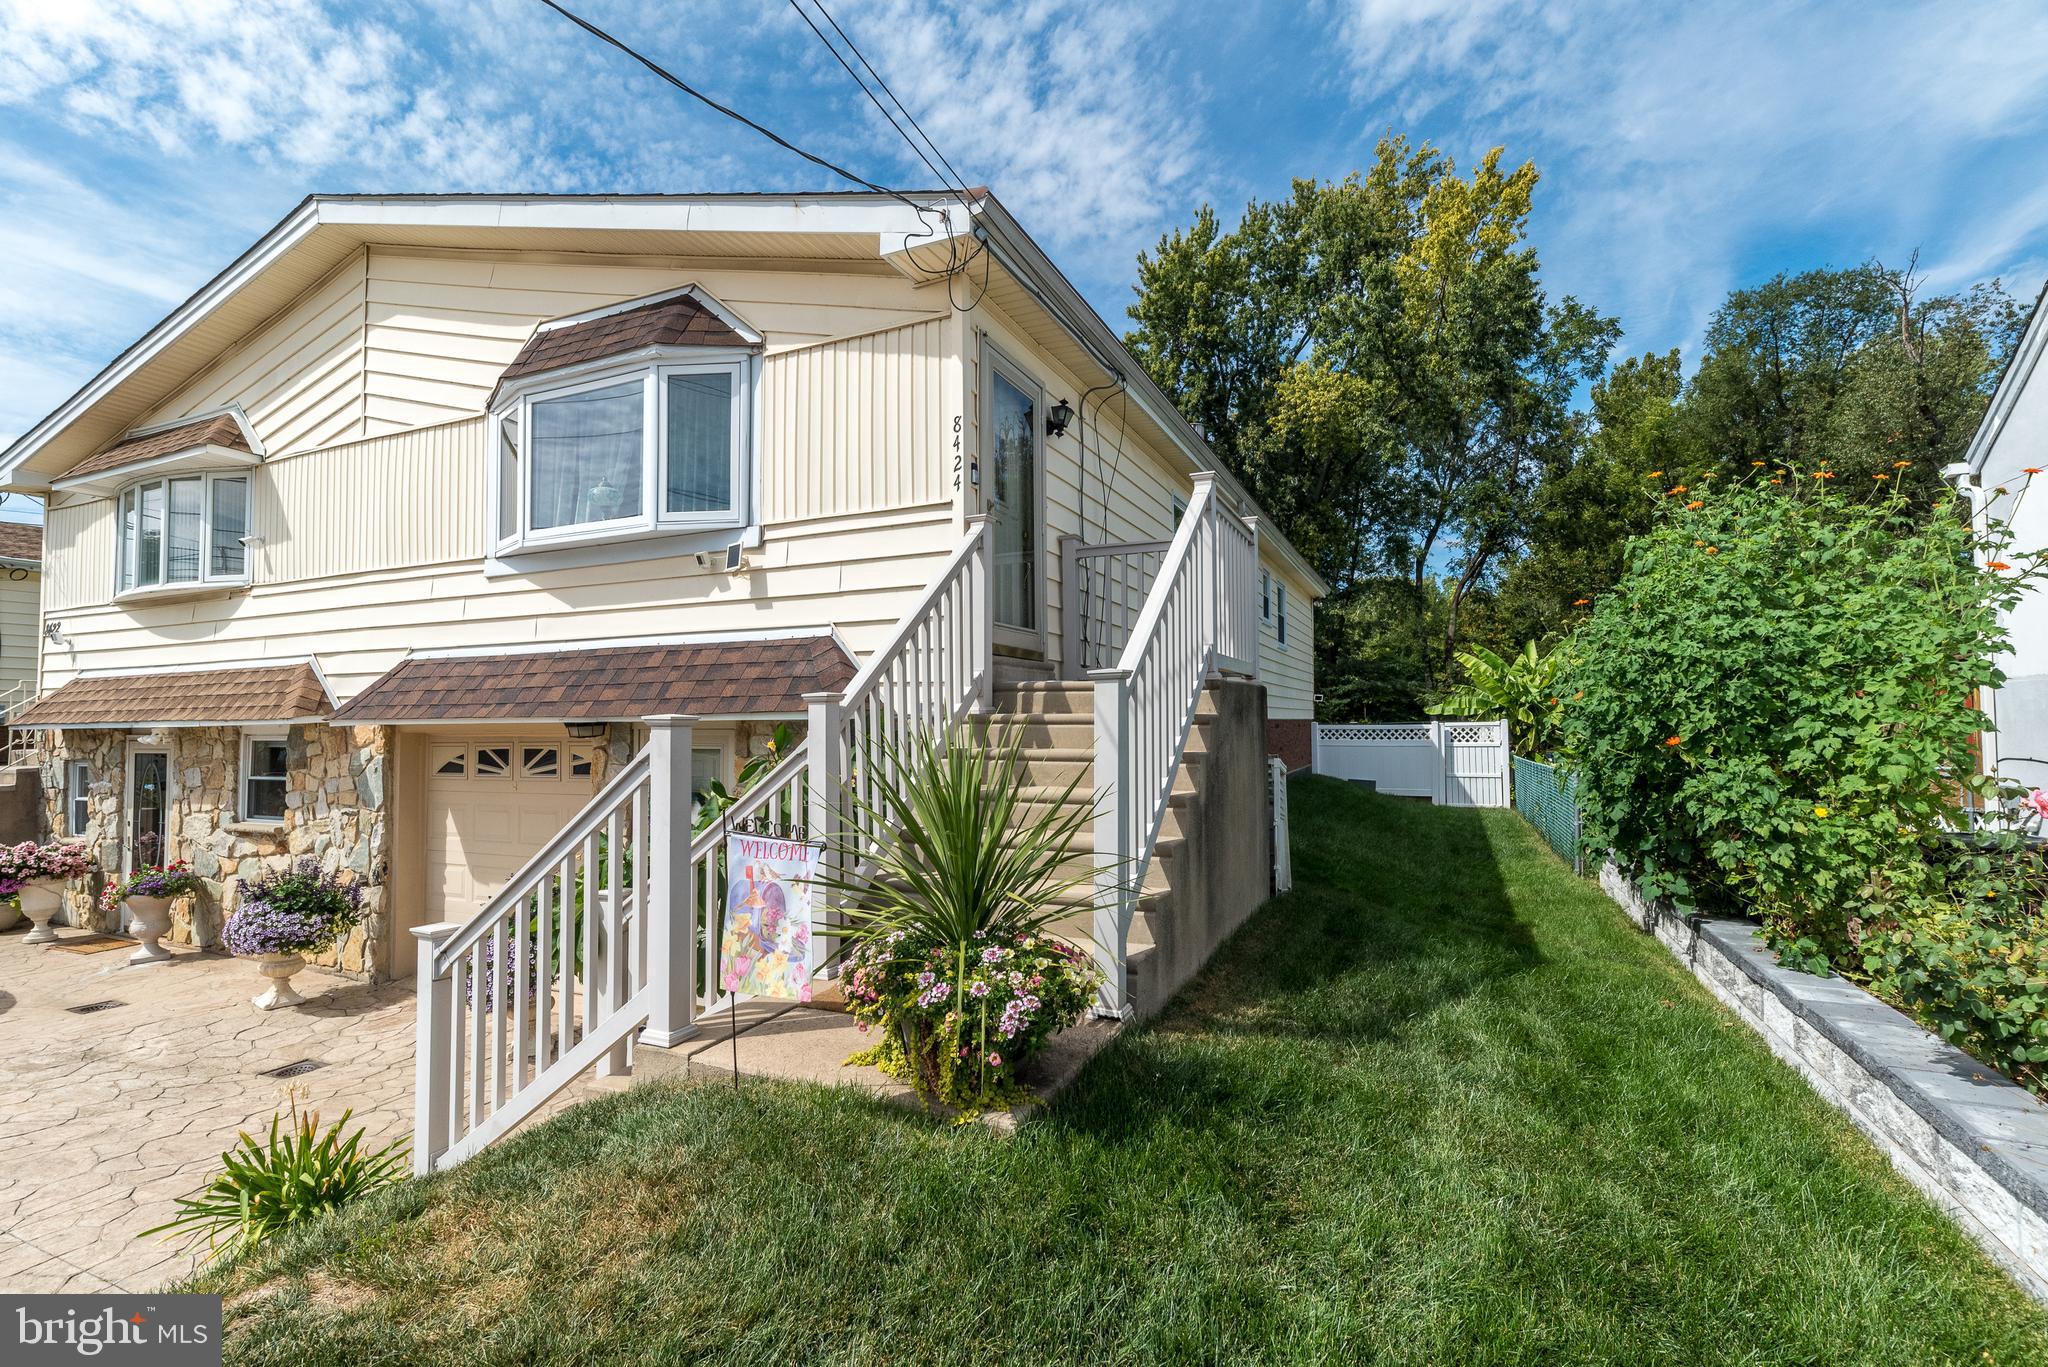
x=1198, y=619
x=529, y=993
x=1103, y=591
x=533, y=989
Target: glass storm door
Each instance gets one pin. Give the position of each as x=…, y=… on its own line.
x=1012, y=491
x=149, y=773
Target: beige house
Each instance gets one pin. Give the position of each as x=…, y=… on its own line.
x=385, y=545
x=21, y=594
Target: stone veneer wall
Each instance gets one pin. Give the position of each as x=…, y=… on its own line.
x=335, y=813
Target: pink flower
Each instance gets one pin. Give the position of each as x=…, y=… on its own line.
x=2038, y=800
x=995, y=1060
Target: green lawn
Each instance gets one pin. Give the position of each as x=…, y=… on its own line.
x=1440, y=1104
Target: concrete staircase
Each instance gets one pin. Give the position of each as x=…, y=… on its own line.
x=1057, y=720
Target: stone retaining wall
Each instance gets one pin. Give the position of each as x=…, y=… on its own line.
x=1974, y=1142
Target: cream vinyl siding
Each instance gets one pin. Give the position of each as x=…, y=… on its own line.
x=442, y=326
x=78, y=551
x=855, y=425
x=856, y=574
x=412, y=498
x=1289, y=671
x=298, y=378
x=20, y=627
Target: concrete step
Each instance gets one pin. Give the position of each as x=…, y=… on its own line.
x=1046, y=697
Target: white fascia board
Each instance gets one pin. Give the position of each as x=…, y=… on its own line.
x=268, y=249
x=2032, y=345
x=1035, y=271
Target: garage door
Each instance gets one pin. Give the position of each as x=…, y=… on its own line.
x=491, y=803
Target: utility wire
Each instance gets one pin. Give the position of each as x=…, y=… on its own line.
x=959, y=181
x=804, y=15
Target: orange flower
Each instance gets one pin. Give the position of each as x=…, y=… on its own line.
x=2031, y=470
x=1823, y=474
x=1580, y=602
x=1777, y=481
x=1756, y=462
x=1900, y=464
x=1999, y=565
x=1713, y=550
x=1655, y=474
x=1696, y=503
x=1880, y=476
x=1677, y=489
x=1675, y=740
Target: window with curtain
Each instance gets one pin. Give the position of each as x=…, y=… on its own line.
x=662, y=445
x=587, y=456
x=185, y=529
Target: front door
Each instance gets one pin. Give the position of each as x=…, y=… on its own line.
x=149, y=782
x=1012, y=490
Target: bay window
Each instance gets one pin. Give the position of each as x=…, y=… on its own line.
x=182, y=530
x=659, y=446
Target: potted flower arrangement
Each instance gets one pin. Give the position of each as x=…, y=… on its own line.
x=953, y=961
x=37, y=874
x=285, y=915
x=148, y=893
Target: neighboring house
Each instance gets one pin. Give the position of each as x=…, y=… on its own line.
x=21, y=632
x=1993, y=474
x=380, y=548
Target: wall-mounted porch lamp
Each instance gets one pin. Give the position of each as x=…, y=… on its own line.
x=1056, y=421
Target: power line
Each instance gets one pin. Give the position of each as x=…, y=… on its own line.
x=804, y=15
x=959, y=181
x=679, y=83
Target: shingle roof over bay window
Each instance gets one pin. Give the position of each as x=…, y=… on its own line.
x=682, y=318
x=220, y=430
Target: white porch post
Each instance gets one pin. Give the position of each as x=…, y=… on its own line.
x=670, y=910
x=982, y=610
x=827, y=740
x=1114, y=897
x=433, y=1028
x=1252, y=629
x=1211, y=556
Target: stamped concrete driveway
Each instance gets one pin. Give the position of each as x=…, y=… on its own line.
x=107, y=1116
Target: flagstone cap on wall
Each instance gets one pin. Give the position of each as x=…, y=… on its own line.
x=205, y=697
x=612, y=683
x=220, y=430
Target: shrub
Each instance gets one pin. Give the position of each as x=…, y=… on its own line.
x=1522, y=689
x=298, y=911
x=1774, y=711
x=962, y=897
x=265, y=1188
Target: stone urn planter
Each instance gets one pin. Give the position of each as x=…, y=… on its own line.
x=41, y=899
x=150, y=921
x=278, y=968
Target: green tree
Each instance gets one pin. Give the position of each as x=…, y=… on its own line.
x=1376, y=358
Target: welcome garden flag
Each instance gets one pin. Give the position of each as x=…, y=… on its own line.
x=766, y=948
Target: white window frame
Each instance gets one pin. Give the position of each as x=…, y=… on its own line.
x=128, y=550
x=251, y=737
x=77, y=796
x=651, y=367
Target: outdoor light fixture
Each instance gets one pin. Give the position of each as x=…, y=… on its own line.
x=1057, y=420
x=586, y=730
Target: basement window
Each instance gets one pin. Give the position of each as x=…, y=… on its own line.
x=263, y=775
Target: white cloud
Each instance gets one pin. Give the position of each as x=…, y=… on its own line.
x=1679, y=143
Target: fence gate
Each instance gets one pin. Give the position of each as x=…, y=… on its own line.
x=1453, y=764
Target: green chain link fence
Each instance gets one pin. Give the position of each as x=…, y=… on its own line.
x=1549, y=802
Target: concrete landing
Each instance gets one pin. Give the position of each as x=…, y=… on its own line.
x=787, y=1042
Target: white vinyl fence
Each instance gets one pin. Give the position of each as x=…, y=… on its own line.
x=1452, y=763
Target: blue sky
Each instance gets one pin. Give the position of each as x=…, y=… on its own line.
x=1685, y=150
